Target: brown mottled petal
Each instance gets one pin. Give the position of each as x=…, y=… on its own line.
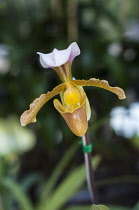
x=76, y=120
x=30, y=115
x=100, y=83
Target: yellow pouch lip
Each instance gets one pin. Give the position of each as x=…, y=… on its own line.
x=75, y=119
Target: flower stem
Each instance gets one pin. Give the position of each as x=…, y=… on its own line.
x=89, y=169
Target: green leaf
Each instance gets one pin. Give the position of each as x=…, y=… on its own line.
x=109, y=207
x=18, y=193
x=99, y=207
x=29, y=180
x=68, y=187
x=78, y=208
x=119, y=208
x=136, y=207
x=47, y=189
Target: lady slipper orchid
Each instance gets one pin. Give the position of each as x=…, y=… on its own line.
x=74, y=105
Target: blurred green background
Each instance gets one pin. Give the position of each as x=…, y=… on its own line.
x=42, y=165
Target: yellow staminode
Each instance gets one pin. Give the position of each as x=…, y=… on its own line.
x=72, y=96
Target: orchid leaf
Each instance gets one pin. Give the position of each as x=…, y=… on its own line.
x=48, y=187
x=18, y=193
x=66, y=190
x=136, y=207
x=78, y=208
x=99, y=207
x=118, y=208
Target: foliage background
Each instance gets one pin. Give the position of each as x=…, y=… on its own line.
x=107, y=33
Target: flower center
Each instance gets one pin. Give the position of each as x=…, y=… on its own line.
x=72, y=96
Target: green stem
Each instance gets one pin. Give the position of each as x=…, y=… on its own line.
x=89, y=169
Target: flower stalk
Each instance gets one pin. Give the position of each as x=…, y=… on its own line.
x=89, y=169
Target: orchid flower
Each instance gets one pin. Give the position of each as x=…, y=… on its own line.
x=74, y=106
